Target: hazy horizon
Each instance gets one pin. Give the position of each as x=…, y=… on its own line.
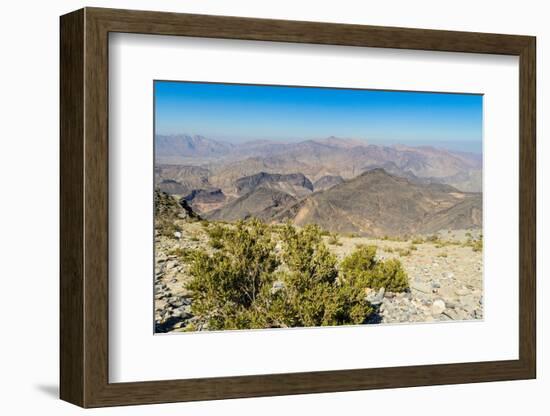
x=460, y=146
x=241, y=113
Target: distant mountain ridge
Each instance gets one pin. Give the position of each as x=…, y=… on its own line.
x=343, y=185
x=227, y=162
x=189, y=146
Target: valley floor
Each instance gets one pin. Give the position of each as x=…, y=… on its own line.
x=445, y=276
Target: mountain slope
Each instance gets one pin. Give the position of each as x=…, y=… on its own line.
x=295, y=184
x=262, y=203
x=187, y=146
x=181, y=179
x=326, y=182
x=377, y=203
x=168, y=209
x=204, y=200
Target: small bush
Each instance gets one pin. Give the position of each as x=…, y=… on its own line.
x=364, y=270
x=334, y=240
x=396, y=238
x=444, y=254
x=417, y=240
x=167, y=227
x=231, y=288
x=216, y=233
x=476, y=245
x=305, y=252
x=363, y=258
x=434, y=238
x=389, y=275
x=403, y=252
x=312, y=295
x=184, y=254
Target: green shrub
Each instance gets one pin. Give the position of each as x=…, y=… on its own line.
x=390, y=275
x=167, y=227
x=363, y=258
x=475, y=244
x=334, y=240
x=305, y=303
x=305, y=252
x=231, y=288
x=403, y=252
x=234, y=287
x=434, y=238
x=216, y=233
x=313, y=295
x=395, y=238
x=184, y=254
x=363, y=269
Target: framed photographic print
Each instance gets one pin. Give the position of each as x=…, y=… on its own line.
x=255, y=207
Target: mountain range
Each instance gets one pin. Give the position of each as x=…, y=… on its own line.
x=378, y=203
x=344, y=185
x=227, y=162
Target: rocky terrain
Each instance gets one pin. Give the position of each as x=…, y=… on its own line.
x=446, y=279
x=295, y=184
x=327, y=181
x=262, y=203
x=398, y=198
x=376, y=203
x=445, y=276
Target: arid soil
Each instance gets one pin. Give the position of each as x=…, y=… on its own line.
x=445, y=276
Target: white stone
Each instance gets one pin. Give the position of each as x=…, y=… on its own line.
x=438, y=307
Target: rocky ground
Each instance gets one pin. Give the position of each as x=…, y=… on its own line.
x=445, y=277
x=172, y=300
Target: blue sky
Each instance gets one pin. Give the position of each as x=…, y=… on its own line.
x=240, y=113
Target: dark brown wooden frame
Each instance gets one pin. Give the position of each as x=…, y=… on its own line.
x=84, y=209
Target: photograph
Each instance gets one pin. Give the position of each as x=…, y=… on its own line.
x=279, y=206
